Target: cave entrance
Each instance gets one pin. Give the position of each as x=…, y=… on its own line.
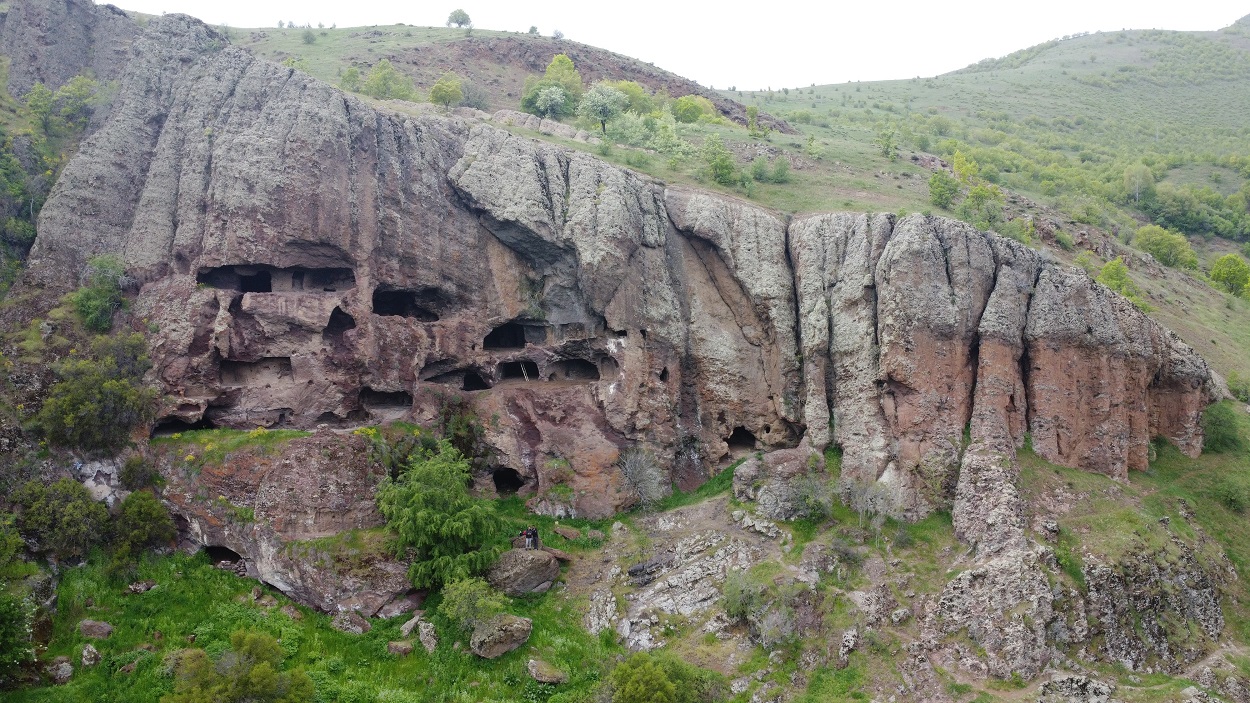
x=741, y=440
x=509, y=335
x=259, y=282
x=217, y=554
x=519, y=370
x=167, y=426
x=402, y=303
x=473, y=381
x=385, y=399
x=339, y=323
x=573, y=370
x=507, y=481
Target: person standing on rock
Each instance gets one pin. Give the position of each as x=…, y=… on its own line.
x=531, y=537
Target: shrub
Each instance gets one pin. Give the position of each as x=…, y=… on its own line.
x=94, y=406
x=1233, y=493
x=1065, y=241
x=562, y=74
x=446, y=90
x=742, y=595
x=943, y=188
x=468, y=602
x=386, y=83
x=1222, y=428
x=137, y=473
x=1231, y=273
x=643, y=475
x=142, y=523
x=60, y=518
x=781, y=170
x=15, y=637
x=101, y=293
x=692, y=108
x=658, y=677
x=1114, y=275
x=1168, y=248
x=450, y=534
x=248, y=671
x=719, y=160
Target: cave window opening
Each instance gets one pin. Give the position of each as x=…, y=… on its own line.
x=523, y=370
x=664, y=375
x=741, y=440
x=297, y=280
x=473, y=381
x=217, y=554
x=509, y=335
x=574, y=370
x=174, y=425
x=401, y=303
x=507, y=481
x=260, y=282
x=385, y=399
x=339, y=323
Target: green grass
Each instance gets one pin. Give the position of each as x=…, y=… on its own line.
x=215, y=446
x=720, y=483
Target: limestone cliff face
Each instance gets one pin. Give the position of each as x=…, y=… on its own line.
x=309, y=259
x=51, y=41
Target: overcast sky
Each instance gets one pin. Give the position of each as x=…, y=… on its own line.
x=761, y=43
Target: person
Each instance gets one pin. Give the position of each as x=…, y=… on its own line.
x=531, y=536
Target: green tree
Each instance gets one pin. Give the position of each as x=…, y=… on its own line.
x=640, y=100
x=602, y=103
x=40, y=103
x=1221, y=428
x=966, y=170
x=720, y=160
x=1114, y=275
x=1139, y=182
x=943, y=188
x=982, y=206
x=309, y=37
x=533, y=30
x=1231, y=273
x=142, y=523
x=60, y=518
x=350, y=80
x=101, y=294
x=250, y=672
x=75, y=101
x=460, y=18
x=551, y=101
x=639, y=680
x=1168, y=248
x=450, y=534
x=446, y=91
x=15, y=637
x=386, y=83
x=562, y=73
x=887, y=143
x=96, y=403
x=468, y=602
x=690, y=108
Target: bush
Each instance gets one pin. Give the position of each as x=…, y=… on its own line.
x=742, y=595
x=692, y=108
x=61, y=518
x=468, y=602
x=137, y=473
x=386, y=83
x=643, y=475
x=142, y=523
x=449, y=534
x=1233, y=493
x=1065, y=241
x=719, y=160
x=658, y=677
x=781, y=170
x=562, y=74
x=1114, y=275
x=101, y=293
x=1222, y=428
x=1231, y=273
x=94, y=406
x=249, y=671
x=15, y=637
x=943, y=188
x=1168, y=248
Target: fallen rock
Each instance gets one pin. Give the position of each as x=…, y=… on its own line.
x=521, y=571
x=399, y=606
x=500, y=635
x=141, y=586
x=399, y=649
x=267, y=601
x=561, y=556
x=850, y=640
x=95, y=629
x=292, y=612
x=427, y=636
x=407, y=628
x=1075, y=689
x=542, y=672
x=568, y=533
x=90, y=655
x=351, y=622
x=60, y=670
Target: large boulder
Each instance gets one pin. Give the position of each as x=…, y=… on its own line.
x=499, y=635
x=95, y=629
x=522, y=571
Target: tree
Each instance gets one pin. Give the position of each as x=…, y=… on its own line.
x=982, y=207
x=309, y=36
x=39, y=101
x=719, y=160
x=15, y=637
x=1114, y=275
x=887, y=144
x=75, y=101
x=640, y=100
x=560, y=73
x=249, y=672
x=460, y=18
x=639, y=680
x=142, y=523
x=557, y=35
x=60, y=518
x=468, y=602
x=602, y=103
x=943, y=188
x=533, y=30
x=1232, y=273
x=689, y=108
x=1168, y=248
x=450, y=534
x=97, y=402
x=966, y=169
x=350, y=80
x=386, y=83
x=446, y=91
x=551, y=101
x=101, y=295
x=1139, y=181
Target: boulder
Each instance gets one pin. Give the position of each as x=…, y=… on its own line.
x=561, y=556
x=95, y=629
x=351, y=622
x=407, y=628
x=292, y=612
x=499, y=635
x=141, y=586
x=60, y=670
x=90, y=655
x=401, y=605
x=569, y=533
x=1075, y=689
x=542, y=672
x=427, y=636
x=399, y=649
x=521, y=571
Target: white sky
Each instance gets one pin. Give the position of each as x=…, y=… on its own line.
x=761, y=43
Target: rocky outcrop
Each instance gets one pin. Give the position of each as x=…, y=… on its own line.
x=499, y=635
x=522, y=571
x=51, y=41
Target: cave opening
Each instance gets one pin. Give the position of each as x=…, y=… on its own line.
x=664, y=375
x=473, y=381
x=523, y=370
x=339, y=323
x=507, y=481
x=217, y=554
x=371, y=398
x=402, y=303
x=259, y=282
x=741, y=440
x=167, y=426
x=574, y=370
x=509, y=335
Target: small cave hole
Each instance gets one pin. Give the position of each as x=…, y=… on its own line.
x=608, y=368
x=507, y=481
x=259, y=282
x=167, y=426
x=217, y=554
x=339, y=323
x=574, y=370
x=509, y=335
x=741, y=440
x=385, y=399
x=523, y=370
x=620, y=333
x=473, y=381
x=664, y=375
x=402, y=303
